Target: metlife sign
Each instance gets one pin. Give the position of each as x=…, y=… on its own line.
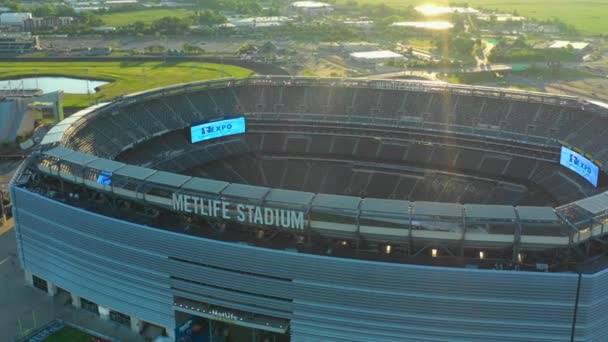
x=217, y=129
x=246, y=213
x=579, y=164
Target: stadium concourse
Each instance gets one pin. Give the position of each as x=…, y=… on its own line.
x=341, y=210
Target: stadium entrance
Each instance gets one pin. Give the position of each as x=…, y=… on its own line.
x=209, y=323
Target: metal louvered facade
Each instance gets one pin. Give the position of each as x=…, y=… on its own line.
x=139, y=270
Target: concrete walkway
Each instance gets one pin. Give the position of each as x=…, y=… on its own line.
x=23, y=308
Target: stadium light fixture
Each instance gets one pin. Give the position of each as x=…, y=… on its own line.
x=520, y=257
x=343, y=242
x=387, y=249
x=481, y=255
x=434, y=252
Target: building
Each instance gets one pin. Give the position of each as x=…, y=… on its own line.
x=424, y=25
x=578, y=47
x=104, y=29
x=18, y=43
x=35, y=23
x=375, y=57
x=81, y=9
x=500, y=17
x=364, y=23
x=21, y=108
x=87, y=6
x=259, y=22
x=14, y=19
x=358, y=46
x=432, y=10
x=120, y=3
x=311, y=8
x=347, y=210
x=538, y=28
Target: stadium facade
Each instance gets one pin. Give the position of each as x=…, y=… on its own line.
x=351, y=210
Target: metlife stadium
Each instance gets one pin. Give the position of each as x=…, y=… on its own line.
x=341, y=210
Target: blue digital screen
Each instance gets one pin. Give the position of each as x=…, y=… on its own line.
x=579, y=164
x=105, y=178
x=217, y=129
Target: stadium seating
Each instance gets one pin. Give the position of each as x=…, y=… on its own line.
x=154, y=127
x=232, y=161
x=439, y=111
x=494, y=111
x=391, y=103
x=294, y=99
x=365, y=100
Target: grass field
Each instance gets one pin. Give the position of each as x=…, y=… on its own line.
x=588, y=16
x=69, y=334
x=128, y=77
x=146, y=16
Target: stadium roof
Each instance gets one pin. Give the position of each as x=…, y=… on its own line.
x=79, y=158
x=55, y=134
x=537, y=214
x=336, y=202
x=385, y=205
x=137, y=172
x=438, y=209
x=371, y=55
x=105, y=165
x=289, y=197
x=248, y=191
x=171, y=179
x=59, y=152
x=490, y=212
x=204, y=185
x=594, y=204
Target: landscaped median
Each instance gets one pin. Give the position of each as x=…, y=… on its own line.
x=126, y=77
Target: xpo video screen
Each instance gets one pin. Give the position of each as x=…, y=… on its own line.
x=218, y=128
x=579, y=164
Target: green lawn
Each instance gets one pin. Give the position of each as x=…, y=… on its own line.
x=588, y=16
x=69, y=334
x=127, y=77
x=147, y=16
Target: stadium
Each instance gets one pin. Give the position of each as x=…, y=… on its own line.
x=320, y=209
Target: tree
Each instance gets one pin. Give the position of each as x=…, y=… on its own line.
x=209, y=18
x=247, y=49
x=139, y=26
x=458, y=22
x=154, y=49
x=64, y=11
x=13, y=5
x=520, y=42
x=170, y=25
x=47, y=10
x=461, y=44
x=89, y=19
x=192, y=49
